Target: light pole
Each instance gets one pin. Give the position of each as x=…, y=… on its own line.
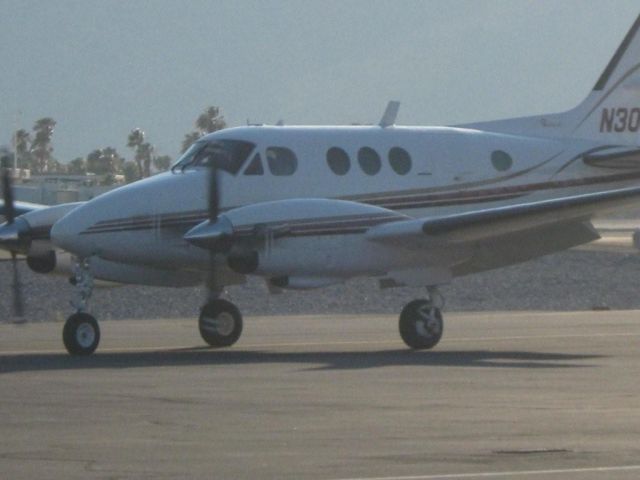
x=15, y=143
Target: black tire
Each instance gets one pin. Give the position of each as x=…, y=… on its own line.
x=81, y=334
x=220, y=323
x=421, y=325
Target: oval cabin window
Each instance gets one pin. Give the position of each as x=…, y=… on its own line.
x=369, y=160
x=400, y=160
x=338, y=161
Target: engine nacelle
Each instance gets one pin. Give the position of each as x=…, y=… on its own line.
x=51, y=262
x=44, y=263
x=302, y=240
x=243, y=262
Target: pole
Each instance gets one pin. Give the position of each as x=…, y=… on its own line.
x=15, y=144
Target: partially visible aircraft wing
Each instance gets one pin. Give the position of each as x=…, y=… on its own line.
x=22, y=207
x=488, y=224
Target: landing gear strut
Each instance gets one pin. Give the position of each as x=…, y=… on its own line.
x=421, y=324
x=220, y=323
x=81, y=333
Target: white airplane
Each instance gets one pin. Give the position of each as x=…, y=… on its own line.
x=305, y=207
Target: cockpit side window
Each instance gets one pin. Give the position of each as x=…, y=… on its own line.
x=255, y=167
x=281, y=161
x=227, y=155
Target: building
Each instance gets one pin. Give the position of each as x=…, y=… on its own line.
x=55, y=189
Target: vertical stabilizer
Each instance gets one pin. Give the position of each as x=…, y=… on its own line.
x=611, y=112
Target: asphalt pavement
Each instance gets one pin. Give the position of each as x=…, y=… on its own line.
x=504, y=395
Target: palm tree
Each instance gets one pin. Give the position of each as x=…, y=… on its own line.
x=145, y=152
x=54, y=166
x=22, y=140
x=210, y=120
x=135, y=138
x=77, y=166
x=134, y=141
x=162, y=162
x=130, y=171
x=189, y=139
x=41, y=144
x=94, y=164
x=113, y=161
x=104, y=161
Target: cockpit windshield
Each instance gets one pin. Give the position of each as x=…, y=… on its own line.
x=227, y=155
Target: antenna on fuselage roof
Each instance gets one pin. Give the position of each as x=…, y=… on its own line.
x=279, y=124
x=390, y=114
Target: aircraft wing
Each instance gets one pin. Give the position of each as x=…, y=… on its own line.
x=489, y=224
x=22, y=207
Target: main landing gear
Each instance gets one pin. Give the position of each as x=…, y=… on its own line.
x=220, y=323
x=81, y=334
x=421, y=324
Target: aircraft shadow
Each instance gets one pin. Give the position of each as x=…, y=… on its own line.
x=314, y=360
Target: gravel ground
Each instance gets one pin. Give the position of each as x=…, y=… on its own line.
x=572, y=280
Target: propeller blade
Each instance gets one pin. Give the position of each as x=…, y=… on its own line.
x=7, y=196
x=214, y=194
x=214, y=209
x=10, y=215
x=18, y=302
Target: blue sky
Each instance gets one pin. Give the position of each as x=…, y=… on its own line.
x=101, y=68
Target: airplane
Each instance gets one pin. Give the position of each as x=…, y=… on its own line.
x=309, y=206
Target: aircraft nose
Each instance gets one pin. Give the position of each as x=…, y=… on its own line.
x=66, y=233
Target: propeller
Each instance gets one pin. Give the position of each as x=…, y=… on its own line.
x=10, y=215
x=214, y=194
x=217, y=236
x=214, y=210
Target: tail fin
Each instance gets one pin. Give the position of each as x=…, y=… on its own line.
x=611, y=112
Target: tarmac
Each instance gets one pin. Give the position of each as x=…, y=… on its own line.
x=504, y=395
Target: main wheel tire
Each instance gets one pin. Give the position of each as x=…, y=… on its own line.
x=81, y=334
x=220, y=323
x=421, y=325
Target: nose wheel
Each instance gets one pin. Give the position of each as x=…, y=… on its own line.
x=220, y=323
x=81, y=334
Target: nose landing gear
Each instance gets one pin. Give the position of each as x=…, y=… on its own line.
x=81, y=332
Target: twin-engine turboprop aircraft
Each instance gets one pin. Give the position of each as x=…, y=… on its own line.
x=306, y=207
